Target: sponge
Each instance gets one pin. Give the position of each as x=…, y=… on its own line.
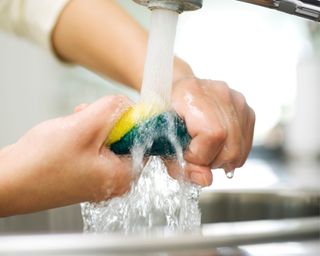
x=156, y=132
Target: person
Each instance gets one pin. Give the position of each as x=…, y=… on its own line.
x=77, y=167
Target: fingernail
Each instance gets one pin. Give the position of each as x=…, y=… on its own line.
x=198, y=178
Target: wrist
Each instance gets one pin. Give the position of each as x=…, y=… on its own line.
x=8, y=166
x=6, y=158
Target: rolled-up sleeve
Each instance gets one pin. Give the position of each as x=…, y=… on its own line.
x=33, y=19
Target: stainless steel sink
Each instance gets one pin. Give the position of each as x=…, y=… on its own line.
x=232, y=221
x=224, y=206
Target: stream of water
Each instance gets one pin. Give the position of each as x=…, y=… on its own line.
x=155, y=201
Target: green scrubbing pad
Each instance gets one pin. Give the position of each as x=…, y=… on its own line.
x=157, y=134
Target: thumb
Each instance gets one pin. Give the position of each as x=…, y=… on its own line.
x=80, y=107
x=100, y=116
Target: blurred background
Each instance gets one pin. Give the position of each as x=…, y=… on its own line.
x=271, y=57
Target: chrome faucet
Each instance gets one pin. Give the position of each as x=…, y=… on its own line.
x=309, y=9
x=174, y=5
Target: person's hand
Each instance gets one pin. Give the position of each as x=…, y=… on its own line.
x=64, y=161
x=220, y=123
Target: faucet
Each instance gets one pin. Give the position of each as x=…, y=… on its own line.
x=173, y=5
x=309, y=9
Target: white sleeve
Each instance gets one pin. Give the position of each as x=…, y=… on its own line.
x=33, y=19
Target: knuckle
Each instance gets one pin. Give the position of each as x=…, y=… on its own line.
x=223, y=91
x=232, y=157
x=218, y=135
x=193, y=85
x=204, y=160
x=240, y=101
x=221, y=84
x=117, y=102
x=238, y=94
x=223, y=87
x=253, y=115
x=186, y=86
x=116, y=99
x=190, y=82
x=241, y=163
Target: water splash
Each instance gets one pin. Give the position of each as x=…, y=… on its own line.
x=154, y=201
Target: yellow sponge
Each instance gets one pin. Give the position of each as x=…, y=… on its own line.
x=132, y=117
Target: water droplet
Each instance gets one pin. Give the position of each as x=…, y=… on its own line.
x=230, y=174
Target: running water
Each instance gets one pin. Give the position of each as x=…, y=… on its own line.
x=155, y=199
x=158, y=70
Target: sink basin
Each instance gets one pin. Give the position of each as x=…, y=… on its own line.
x=231, y=220
x=223, y=206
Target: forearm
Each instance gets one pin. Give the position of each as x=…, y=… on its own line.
x=10, y=179
x=101, y=36
x=28, y=185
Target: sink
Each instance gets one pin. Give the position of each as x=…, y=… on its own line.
x=232, y=222
x=225, y=206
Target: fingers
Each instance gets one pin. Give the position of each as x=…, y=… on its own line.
x=240, y=134
x=219, y=121
x=249, y=136
x=204, y=122
x=109, y=175
x=205, y=147
x=118, y=178
x=200, y=175
x=232, y=151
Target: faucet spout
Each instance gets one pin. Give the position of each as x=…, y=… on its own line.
x=173, y=5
